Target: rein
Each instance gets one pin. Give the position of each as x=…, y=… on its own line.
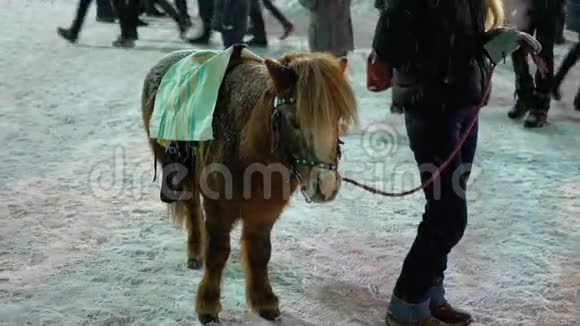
x=542, y=67
x=445, y=164
x=294, y=161
x=333, y=167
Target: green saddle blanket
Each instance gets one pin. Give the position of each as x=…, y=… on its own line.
x=187, y=96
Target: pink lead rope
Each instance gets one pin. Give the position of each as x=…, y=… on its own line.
x=543, y=70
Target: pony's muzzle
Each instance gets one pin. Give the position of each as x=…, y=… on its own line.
x=324, y=186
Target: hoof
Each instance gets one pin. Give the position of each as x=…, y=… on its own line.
x=194, y=263
x=209, y=320
x=270, y=314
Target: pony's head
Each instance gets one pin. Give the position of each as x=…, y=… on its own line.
x=313, y=103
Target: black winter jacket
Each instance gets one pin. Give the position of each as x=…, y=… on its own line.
x=436, y=50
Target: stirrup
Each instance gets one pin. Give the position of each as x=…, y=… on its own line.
x=174, y=168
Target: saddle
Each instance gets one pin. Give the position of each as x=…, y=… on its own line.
x=178, y=161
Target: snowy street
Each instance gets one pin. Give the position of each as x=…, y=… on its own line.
x=84, y=239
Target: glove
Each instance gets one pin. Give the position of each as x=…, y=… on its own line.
x=504, y=41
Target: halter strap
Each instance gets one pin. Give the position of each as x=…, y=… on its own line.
x=275, y=125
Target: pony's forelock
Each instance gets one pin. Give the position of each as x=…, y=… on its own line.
x=325, y=99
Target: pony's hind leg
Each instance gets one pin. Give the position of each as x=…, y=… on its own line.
x=256, y=252
x=219, y=220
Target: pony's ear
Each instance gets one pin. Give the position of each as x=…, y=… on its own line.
x=343, y=63
x=280, y=74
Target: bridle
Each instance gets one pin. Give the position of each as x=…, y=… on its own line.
x=293, y=160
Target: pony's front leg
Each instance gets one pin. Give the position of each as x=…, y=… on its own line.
x=219, y=222
x=256, y=252
x=195, y=234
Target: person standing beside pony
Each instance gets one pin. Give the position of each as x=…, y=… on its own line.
x=442, y=57
x=330, y=26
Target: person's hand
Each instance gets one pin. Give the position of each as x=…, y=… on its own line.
x=504, y=41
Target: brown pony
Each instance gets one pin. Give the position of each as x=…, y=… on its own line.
x=276, y=127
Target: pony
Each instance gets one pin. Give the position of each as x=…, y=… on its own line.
x=276, y=129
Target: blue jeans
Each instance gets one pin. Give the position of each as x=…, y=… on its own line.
x=433, y=135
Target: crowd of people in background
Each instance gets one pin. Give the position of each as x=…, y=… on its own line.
x=233, y=19
x=331, y=30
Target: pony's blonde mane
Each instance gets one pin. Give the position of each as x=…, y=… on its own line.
x=494, y=14
x=325, y=98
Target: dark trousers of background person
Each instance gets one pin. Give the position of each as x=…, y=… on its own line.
x=560, y=20
x=276, y=13
x=105, y=10
x=257, y=18
x=128, y=12
x=181, y=6
x=171, y=11
x=206, y=10
x=432, y=137
x=235, y=21
x=82, y=10
x=568, y=62
x=537, y=95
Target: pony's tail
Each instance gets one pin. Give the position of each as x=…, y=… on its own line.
x=186, y=212
x=494, y=14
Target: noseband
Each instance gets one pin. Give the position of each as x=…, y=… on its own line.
x=294, y=159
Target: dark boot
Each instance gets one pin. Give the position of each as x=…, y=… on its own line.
x=451, y=316
x=577, y=101
x=67, y=34
x=72, y=33
x=124, y=42
x=519, y=110
x=201, y=40
x=536, y=118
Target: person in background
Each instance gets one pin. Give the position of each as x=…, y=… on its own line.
x=128, y=12
x=573, y=9
x=207, y=12
x=182, y=21
x=232, y=20
x=533, y=96
x=181, y=6
x=258, y=26
x=330, y=26
x=560, y=21
x=105, y=12
x=441, y=52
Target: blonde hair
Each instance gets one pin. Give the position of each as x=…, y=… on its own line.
x=494, y=14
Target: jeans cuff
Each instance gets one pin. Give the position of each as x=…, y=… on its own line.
x=437, y=295
x=409, y=312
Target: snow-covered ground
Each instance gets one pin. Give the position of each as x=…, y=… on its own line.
x=84, y=239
